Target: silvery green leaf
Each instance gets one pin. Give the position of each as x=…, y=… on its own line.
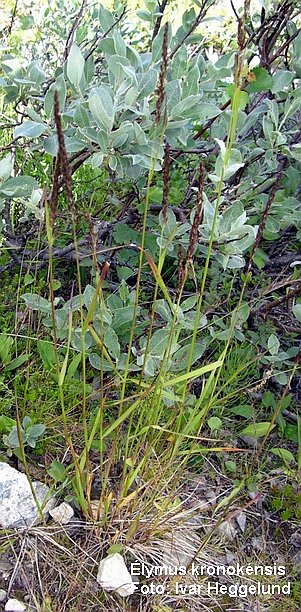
x=51, y=145
x=209, y=210
x=30, y=129
x=182, y=137
x=74, y=144
x=145, y=15
x=96, y=159
x=189, y=303
x=171, y=221
x=75, y=65
x=11, y=94
x=162, y=308
x=231, y=169
x=13, y=438
x=248, y=238
x=106, y=18
x=274, y=112
x=36, y=302
x=112, y=162
x=145, y=162
x=89, y=69
x=116, y=65
x=74, y=303
x=297, y=311
x=131, y=96
x=173, y=92
x=175, y=125
x=222, y=147
x=33, y=115
x=89, y=296
x=98, y=363
x=295, y=151
x=184, y=105
x=129, y=70
x=151, y=5
x=149, y=366
x=99, y=137
x=191, y=83
x=101, y=107
x=6, y=166
x=76, y=340
x=36, y=74
x=119, y=44
x=207, y=110
x=181, y=356
x=103, y=315
x=148, y=82
x=241, y=315
x=230, y=216
x=252, y=118
x=107, y=46
x=189, y=320
x=122, y=317
x=273, y=344
x=36, y=431
x=18, y=187
x=112, y=343
x=159, y=342
x=81, y=116
x=179, y=63
x=27, y=421
x=234, y=262
x=60, y=87
x=120, y=136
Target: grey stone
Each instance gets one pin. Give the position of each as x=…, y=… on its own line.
x=3, y=595
x=17, y=504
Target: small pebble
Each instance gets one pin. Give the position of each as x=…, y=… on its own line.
x=62, y=514
x=13, y=605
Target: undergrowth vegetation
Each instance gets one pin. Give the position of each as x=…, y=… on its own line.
x=150, y=242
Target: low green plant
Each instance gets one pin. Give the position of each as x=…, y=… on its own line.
x=30, y=434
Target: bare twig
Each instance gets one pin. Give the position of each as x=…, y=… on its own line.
x=75, y=24
x=203, y=10
x=97, y=38
x=264, y=219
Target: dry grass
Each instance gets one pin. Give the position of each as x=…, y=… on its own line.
x=56, y=567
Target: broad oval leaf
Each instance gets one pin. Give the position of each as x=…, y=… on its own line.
x=101, y=107
x=30, y=129
x=284, y=454
x=257, y=430
x=19, y=187
x=75, y=65
x=6, y=167
x=112, y=343
x=36, y=302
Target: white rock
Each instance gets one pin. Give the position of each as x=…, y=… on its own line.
x=13, y=605
x=62, y=514
x=17, y=504
x=3, y=595
x=113, y=576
